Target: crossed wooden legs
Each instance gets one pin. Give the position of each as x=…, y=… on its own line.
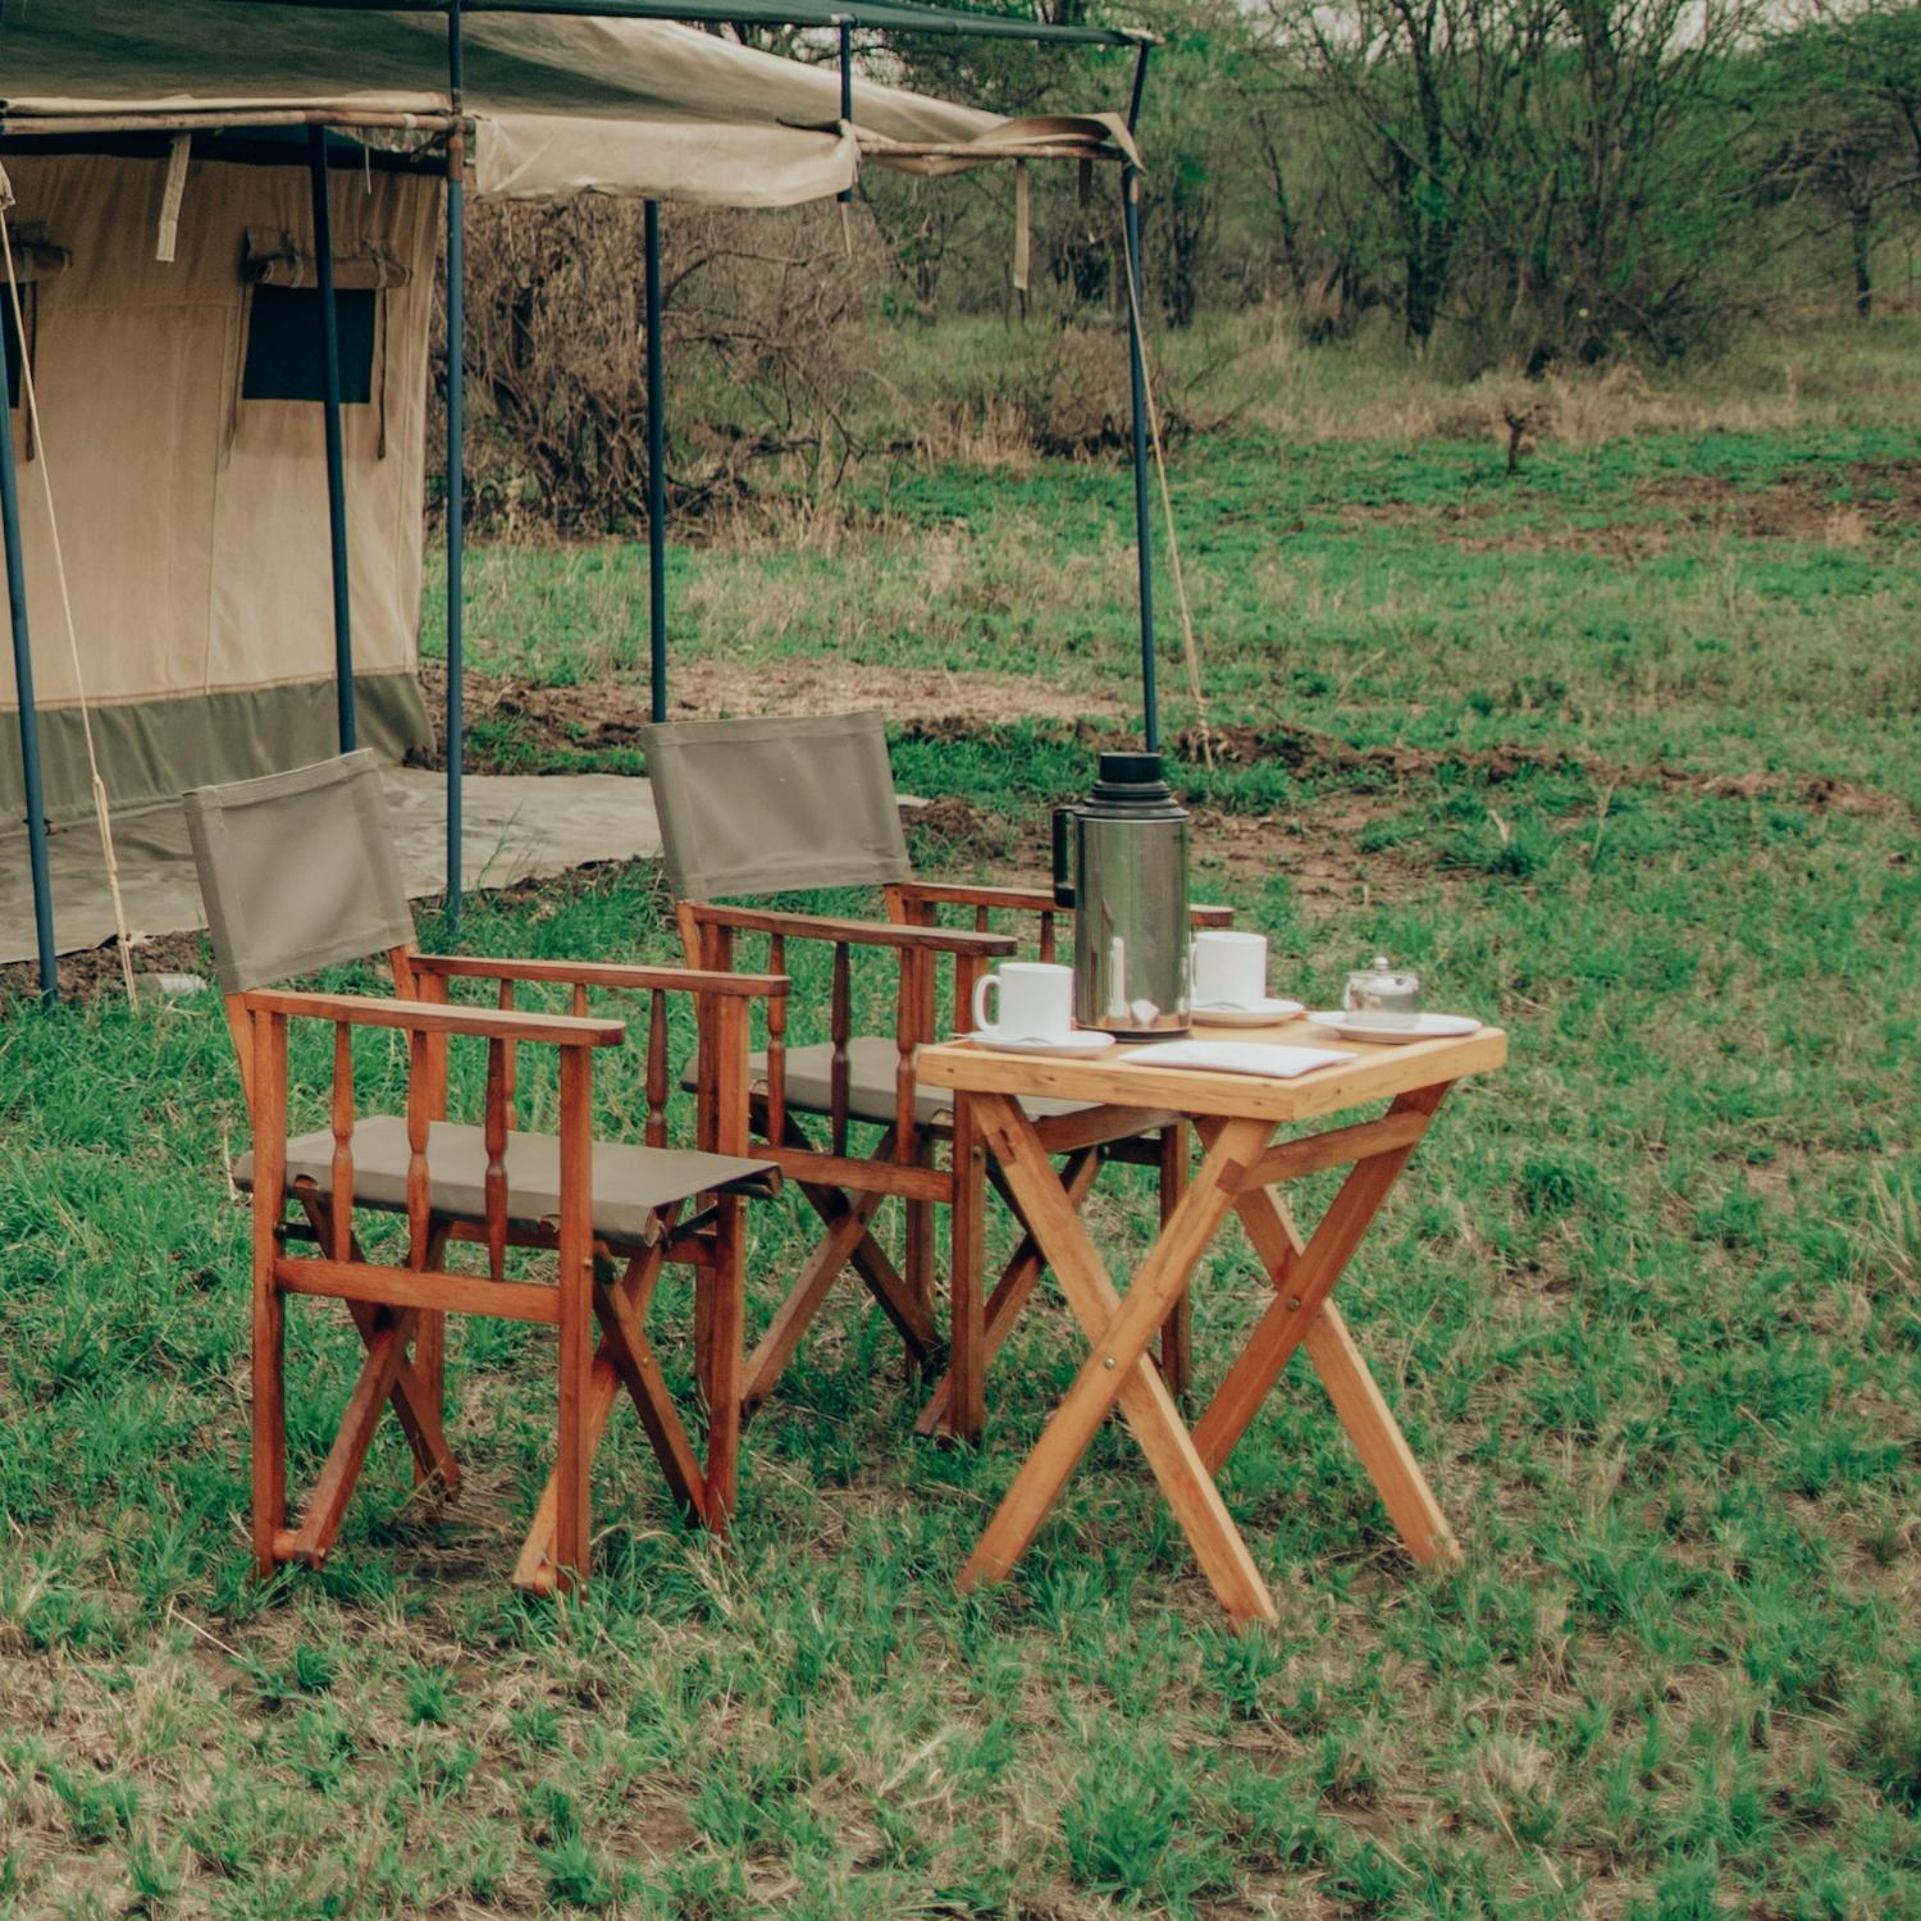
x=849, y=1241
x=626, y=1358
x=556, y=1549
x=1235, y=1176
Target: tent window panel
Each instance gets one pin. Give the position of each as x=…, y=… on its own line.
x=286, y=341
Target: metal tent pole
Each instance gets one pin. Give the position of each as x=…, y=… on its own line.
x=1140, y=84
x=323, y=240
x=1137, y=375
x=656, y=479
x=29, y=715
x=846, y=194
x=1143, y=523
x=456, y=457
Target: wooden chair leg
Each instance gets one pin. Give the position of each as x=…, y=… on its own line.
x=726, y=1365
x=1177, y=1334
x=913, y=1317
x=1012, y=1290
x=796, y=1313
x=625, y=1358
x=327, y=1505
x=421, y=1411
x=269, y=1408
x=573, y=1453
x=965, y=1411
x=920, y=1264
x=429, y=1383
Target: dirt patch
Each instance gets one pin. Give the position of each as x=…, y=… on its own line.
x=1801, y=505
x=1884, y=503
x=949, y=829
x=1301, y=750
x=1318, y=851
x=96, y=970
x=606, y=715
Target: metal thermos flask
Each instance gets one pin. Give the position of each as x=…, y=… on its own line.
x=1120, y=861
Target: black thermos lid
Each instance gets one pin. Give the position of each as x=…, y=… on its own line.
x=1130, y=777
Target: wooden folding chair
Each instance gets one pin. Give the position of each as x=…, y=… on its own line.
x=299, y=873
x=752, y=808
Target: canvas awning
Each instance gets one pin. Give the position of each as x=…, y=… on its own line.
x=559, y=106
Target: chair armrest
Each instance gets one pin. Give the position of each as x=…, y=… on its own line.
x=1021, y=900
x=566, y=973
x=1025, y=900
x=436, y=1017
x=855, y=933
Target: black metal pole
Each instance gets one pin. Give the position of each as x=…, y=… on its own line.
x=656, y=479
x=846, y=90
x=456, y=460
x=323, y=242
x=29, y=715
x=1140, y=84
x=1143, y=522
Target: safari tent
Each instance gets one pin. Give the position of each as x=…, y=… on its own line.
x=227, y=220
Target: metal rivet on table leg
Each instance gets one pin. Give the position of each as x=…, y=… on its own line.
x=1109, y=1362
x=1294, y=1304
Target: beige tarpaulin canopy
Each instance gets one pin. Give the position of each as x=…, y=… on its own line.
x=190, y=499
x=163, y=166
x=559, y=106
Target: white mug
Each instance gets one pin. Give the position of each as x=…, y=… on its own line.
x=1034, y=1002
x=1228, y=969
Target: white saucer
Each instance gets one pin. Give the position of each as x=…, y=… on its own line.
x=1086, y=1042
x=1431, y=1027
x=1263, y=1013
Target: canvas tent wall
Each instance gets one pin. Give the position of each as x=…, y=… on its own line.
x=193, y=511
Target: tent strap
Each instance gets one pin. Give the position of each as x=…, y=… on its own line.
x=31, y=397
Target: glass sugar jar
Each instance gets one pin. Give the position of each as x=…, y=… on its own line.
x=1383, y=995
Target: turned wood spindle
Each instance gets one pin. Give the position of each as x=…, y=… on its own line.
x=341, y=1222
x=840, y=1027
x=495, y=1185
x=419, y=1119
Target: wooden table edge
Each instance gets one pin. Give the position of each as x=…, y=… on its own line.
x=1376, y=1073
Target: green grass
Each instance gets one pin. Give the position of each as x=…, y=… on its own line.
x=1648, y=1305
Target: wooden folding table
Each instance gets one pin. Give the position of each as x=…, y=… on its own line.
x=1238, y=1118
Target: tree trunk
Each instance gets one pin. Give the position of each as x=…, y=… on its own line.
x=1861, y=245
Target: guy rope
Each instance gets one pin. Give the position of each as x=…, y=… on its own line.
x=101, y=815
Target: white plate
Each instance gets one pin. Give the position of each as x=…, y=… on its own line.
x=1432, y=1027
x=1237, y=1057
x=1086, y=1043
x=1259, y=1014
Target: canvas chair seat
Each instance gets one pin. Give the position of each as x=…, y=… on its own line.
x=631, y=1184
x=871, y=1061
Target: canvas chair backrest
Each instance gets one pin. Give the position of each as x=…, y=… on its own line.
x=298, y=871
x=775, y=805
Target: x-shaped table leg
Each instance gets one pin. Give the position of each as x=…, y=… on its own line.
x=1303, y=1314
x=1119, y=1367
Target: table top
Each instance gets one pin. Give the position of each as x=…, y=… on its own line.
x=1376, y=1072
